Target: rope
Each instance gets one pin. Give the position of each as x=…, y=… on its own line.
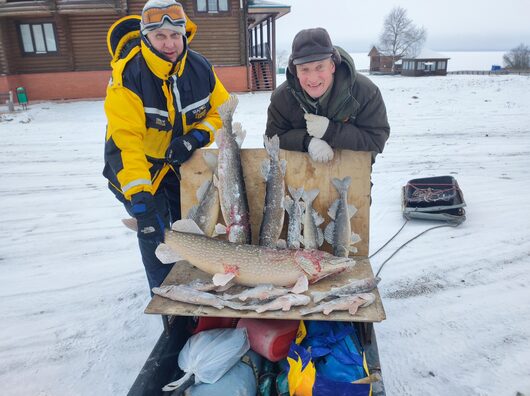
x=410, y=240
x=387, y=242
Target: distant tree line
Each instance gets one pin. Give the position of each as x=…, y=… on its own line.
x=518, y=58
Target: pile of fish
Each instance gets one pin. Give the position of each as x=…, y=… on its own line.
x=267, y=297
x=279, y=271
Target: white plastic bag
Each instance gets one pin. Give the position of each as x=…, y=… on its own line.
x=210, y=354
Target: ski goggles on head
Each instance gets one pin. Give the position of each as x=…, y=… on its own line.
x=154, y=18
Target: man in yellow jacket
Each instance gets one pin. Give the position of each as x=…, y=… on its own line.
x=161, y=106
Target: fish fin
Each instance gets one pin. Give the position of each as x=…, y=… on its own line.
x=354, y=307
x=203, y=189
x=192, y=213
x=166, y=255
x=272, y=145
x=224, y=287
x=219, y=136
x=306, y=265
x=220, y=229
x=227, y=109
x=320, y=237
x=342, y=185
x=131, y=223
x=222, y=279
x=332, y=211
x=187, y=226
x=281, y=244
x=301, y=285
x=301, y=239
x=328, y=310
x=316, y=217
x=211, y=160
x=309, y=196
x=296, y=193
x=328, y=232
x=288, y=203
x=265, y=168
x=352, y=210
x=318, y=296
x=355, y=238
x=353, y=249
x=283, y=166
x=239, y=133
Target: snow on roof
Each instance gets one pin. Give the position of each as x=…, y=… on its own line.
x=428, y=54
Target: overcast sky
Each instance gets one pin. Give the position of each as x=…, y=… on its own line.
x=451, y=24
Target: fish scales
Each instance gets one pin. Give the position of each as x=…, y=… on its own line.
x=273, y=171
x=232, y=190
x=253, y=265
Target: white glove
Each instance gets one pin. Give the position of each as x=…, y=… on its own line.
x=316, y=125
x=319, y=150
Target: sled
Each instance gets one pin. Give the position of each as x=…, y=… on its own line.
x=161, y=367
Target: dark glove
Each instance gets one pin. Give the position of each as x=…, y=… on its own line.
x=182, y=147
x=150, y=223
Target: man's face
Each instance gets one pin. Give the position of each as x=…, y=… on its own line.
x=316, y=77
x=167, y=42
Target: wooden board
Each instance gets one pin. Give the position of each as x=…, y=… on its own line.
x=301, y=172
x=183, y=273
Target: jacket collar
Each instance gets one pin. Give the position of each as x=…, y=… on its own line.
x=161, y=67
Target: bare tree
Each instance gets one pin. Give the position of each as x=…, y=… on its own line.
x=400, y=37
x=518, y=58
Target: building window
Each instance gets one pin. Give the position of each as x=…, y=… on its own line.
x=38, y=38
x=212, y=6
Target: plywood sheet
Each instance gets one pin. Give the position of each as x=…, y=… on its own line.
x=301, y=172
x=183, y=273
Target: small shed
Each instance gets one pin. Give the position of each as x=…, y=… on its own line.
x=381, y=63
x=426, y=63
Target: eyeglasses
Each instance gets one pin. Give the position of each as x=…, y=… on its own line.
x=155, y=17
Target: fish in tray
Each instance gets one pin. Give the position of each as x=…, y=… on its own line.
x=231, y=184
x=349, y=303
x=354, y=287
x=244, y=264
x=313, y=237
x=273, y=171
x=338, y=232
x=206, y=212
x=294, y=209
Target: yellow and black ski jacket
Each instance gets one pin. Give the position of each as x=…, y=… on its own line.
x=149, y=101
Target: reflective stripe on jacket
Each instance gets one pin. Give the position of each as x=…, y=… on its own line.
x=149, y=101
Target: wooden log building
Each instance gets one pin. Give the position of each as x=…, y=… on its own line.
x=382, y=64
x=56, y=49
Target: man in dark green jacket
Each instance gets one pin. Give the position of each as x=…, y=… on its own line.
x=325, y=104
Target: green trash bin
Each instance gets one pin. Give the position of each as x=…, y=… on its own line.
x=22, y=97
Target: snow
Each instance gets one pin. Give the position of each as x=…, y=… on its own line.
x=73, y=288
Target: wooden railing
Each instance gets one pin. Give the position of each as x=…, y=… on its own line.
x=493, y=72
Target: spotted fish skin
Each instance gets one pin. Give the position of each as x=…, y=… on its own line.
x=273, y=171
x=295, y=210
x=231, y=185
x=249, y=265
x=313, y=236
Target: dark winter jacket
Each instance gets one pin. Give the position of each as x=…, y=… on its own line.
x=356, y=110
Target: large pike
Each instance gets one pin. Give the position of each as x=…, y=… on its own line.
x=231, y=184
x=273, y=171
x=206, y=212
x=246, y=264
x=338, y=232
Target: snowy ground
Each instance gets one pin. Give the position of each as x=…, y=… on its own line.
x=457, y=300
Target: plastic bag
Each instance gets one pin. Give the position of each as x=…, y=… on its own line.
x=210, y=354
